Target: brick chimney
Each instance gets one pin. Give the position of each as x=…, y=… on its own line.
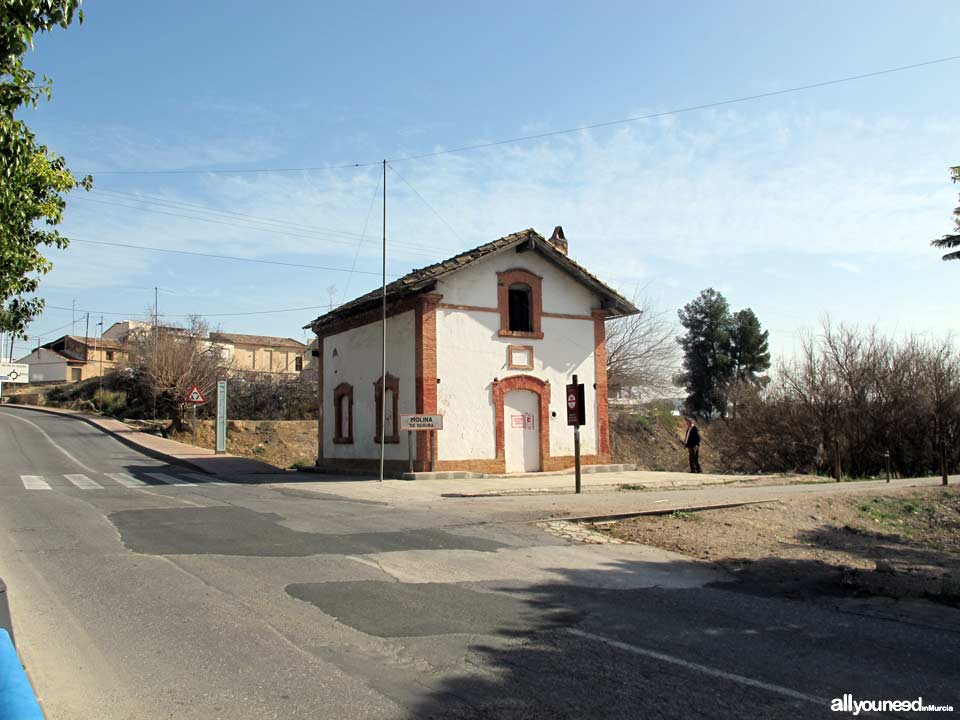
x=558, y=240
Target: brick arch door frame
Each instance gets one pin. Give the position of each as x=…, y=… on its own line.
x=542, y=390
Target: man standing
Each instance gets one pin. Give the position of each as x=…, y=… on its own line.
x=691, y=442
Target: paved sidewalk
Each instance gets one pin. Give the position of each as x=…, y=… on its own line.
x=161, y=448
x=601, y=501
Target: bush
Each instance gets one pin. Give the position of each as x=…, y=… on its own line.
x=110, y=402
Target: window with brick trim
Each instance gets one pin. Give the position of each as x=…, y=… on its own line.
x=392, y=397
x=343, y=414
x=520, y=302
x=298, y=363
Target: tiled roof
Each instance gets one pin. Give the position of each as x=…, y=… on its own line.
x=262, y=340
x=424, y=278
x=99, y=342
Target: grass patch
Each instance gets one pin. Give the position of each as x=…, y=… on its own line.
x=896, y=512
x=631, y=486
x=685, y=515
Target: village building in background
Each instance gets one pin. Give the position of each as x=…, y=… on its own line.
x=489, y=339
x=72, y=359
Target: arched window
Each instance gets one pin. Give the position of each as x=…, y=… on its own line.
x=520, y=301
x=343, y=414
x=392, y=399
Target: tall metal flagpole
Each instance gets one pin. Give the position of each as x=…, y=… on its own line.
x=383, y=367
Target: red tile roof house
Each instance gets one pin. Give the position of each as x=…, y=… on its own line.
x=489, y=339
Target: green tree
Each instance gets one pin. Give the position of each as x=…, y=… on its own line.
x=707, y=365
x=34, y=179
x=952, y=241
x=720, y=349
x=748, y=347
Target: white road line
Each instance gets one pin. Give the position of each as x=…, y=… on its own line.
x=167, y=479
x=126, y=479
x=83, y=482
x=34, y=482
x=50, y=439
x=704, y=669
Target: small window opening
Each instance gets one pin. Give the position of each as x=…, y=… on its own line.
x=520, y=299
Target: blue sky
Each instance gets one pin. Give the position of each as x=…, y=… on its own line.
x=797, y=206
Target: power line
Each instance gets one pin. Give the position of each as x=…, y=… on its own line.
x=432, y=209
x=538, y=136
x=247, y=225
x=363, y=232
x=237, y=171
x=198, y=314
x=222, y=257
x=163, y=201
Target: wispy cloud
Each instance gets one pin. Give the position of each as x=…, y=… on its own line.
x=725, y=186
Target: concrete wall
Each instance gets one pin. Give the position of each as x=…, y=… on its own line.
x=358, y=362
x=45, y=366
x=256, y=358
x=477, y=284
x=470, y=354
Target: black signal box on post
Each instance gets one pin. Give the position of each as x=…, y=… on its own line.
x=576, y=407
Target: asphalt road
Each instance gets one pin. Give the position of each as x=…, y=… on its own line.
x=139, y=591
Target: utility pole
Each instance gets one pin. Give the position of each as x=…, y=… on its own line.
x=156, y=346
x=383, y=333
x=73, y=317
x=86, y=342
x=100, y=394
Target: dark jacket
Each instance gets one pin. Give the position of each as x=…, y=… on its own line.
x=693, y=437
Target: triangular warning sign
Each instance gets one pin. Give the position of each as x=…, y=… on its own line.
x=194, y=396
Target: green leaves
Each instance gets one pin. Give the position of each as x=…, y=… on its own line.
x=719, y=348
x=951, y=241
x=33, y=179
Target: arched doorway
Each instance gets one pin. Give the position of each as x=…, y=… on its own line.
x=521, y=409
x=522, y=405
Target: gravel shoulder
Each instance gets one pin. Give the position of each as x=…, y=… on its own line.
x=899, y=544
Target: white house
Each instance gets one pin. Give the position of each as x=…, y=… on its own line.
x=489, y=339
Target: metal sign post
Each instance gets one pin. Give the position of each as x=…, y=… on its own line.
x=194, y=397
x=422, y=423
x=576, y=416
x=221, y=416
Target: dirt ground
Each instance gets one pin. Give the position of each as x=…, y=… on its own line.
x=283, y=443
x=656, y=443
x=902, y=544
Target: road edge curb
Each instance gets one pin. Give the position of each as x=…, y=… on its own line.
x=128, y=441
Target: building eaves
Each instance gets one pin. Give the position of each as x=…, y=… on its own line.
x=260, y=340
x=425, y=279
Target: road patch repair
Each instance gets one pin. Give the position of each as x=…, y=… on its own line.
x=239, y=531
x=391, y=609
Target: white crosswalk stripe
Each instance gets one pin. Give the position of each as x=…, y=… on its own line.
x=83, y=482
x=34, y=482
x=126, y=480
x=167, y=479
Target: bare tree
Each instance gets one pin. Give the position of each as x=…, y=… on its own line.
x=168, y=361
x=642, y=356
x=853, y=401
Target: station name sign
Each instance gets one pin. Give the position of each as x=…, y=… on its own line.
x=421, y=422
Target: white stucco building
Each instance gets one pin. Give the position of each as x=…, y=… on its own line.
x=489, y=339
